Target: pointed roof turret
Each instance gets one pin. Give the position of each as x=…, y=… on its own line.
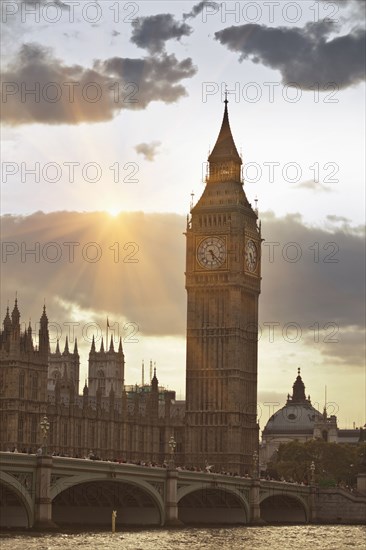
x=76, y=352
x=111, y=346
x=44, y=318
x=120, y=350
x=66, y=350
x=15, y=315
x=57, y=351
x=225, y=148
x=298, y=393
x=102, y=346
x=43, y=338
x=92, y=349
x=7, y=320
x=154, y=381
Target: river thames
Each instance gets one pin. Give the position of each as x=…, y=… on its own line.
x=298, y=537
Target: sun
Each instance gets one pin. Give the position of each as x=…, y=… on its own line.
x=113, y=211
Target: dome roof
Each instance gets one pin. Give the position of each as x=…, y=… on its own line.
x=293, y=418
x=297, y=416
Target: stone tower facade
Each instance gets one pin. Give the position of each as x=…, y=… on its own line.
x=65, y=365
x=107, y=420
x=223, y=286
x=106, y=370
x=23, y=380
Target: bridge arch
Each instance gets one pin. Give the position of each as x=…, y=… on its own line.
x=282, y=507
x=91, y=498
x=207, y=503
x=16, y=505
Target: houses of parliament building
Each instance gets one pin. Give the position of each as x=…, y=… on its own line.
x=217, y=424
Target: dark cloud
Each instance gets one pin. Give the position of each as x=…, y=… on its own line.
x=341, y=346
x=305, y=55
x=325, y=284
x=148, y=150
x=74, y=94
x=310, y=292
x=153, y=31
x=198, y=8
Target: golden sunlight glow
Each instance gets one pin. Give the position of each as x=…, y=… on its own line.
x=113, y=210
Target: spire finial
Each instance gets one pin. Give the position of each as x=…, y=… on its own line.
x=298, y=371
x=226, y=93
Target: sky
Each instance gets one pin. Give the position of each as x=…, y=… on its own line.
x=109, y=110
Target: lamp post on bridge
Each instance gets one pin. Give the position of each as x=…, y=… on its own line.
x=313, y=498
x=312, y=473
x=172, y=445
x=45, y=427
x=43, y=502
x=254, y=493
x=255, y=465
x=171, y=495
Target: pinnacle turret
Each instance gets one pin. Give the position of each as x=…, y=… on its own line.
x=15, y=315
x=66, y=349
x=7, y=321
x=111, y=346
x=44, y=341
x=120, y=350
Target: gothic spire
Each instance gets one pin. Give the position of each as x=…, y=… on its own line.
x=111, y=346
x=44, y=341
x=102, y=346
x=225, y=148
x=66, y=350
x=15, y=315
x=92, y=349
x=7, y=320
x=76, y=351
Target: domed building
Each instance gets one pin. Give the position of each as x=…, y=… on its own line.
x=297, y=420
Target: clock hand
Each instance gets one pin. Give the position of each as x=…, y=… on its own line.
x=214, y=257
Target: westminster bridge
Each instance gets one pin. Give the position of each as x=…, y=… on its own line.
x=42, y=492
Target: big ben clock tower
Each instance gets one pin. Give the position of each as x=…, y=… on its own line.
x=223, y=286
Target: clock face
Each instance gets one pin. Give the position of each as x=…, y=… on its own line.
x=251, y=256
x=211, y=253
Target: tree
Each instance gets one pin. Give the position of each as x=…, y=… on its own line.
x=334, y=462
